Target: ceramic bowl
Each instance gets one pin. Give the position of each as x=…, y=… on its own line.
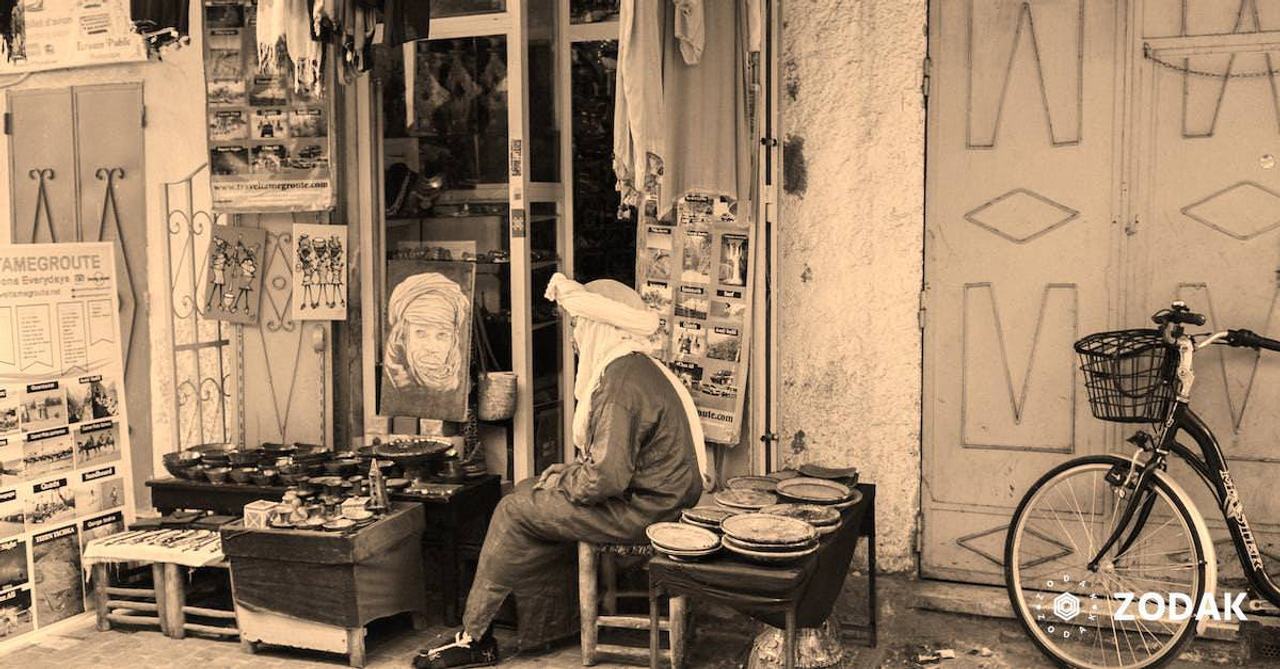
x=217, y=474
x=244, y=458
x=242, y=475
x=344, y=467
x=265, y=477
x=290, y=479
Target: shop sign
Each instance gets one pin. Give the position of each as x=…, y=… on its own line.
x=57, y=34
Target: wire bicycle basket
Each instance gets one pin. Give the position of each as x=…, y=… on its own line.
x=1128, y=374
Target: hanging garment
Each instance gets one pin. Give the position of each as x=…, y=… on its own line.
x=405, y=21
x=155, y=15
x=638, y=123
x=690, y=29
x=640, y=469
x=10, y=19
x=707, y=147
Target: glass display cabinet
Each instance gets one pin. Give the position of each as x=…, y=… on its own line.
x=464, y=162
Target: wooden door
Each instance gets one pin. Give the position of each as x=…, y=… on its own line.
x=1208, y=229
x=1019, y=240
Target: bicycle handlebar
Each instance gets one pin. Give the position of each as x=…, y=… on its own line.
x=1178, y=314
x=1250, y=339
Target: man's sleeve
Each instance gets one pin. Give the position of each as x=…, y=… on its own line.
x=607, y=469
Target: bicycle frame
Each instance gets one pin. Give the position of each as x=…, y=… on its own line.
x=1211, y=466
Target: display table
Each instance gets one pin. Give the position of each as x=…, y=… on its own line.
x=799, y=594
x=318, y=590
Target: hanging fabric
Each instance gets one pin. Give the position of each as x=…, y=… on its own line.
x=638, y=100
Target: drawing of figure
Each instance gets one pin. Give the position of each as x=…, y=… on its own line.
x=320, y=272
x=248, y=270
x=337, y=272
x=428, y=316
x=305, y=268
x=218, y=261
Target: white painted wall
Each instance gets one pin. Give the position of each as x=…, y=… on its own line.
x=851, y=248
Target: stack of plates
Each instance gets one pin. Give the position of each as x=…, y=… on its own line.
x=769, y=539
x=745, y=500
x=824, y=519
x=758, y=483
x=681, y=541
x=707, y=517
x=808, y=490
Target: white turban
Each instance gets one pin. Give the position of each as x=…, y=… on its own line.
x=431, y=299
x=613, y=321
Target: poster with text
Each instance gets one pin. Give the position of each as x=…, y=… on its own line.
x=319, y=272
x=269, y=139
x=54, y=35
x=695, y=272
x=64, y=439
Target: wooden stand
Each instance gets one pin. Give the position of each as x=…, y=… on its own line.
x=318, y=590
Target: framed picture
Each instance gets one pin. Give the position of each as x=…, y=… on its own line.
x=426, y=358
x=319, y=272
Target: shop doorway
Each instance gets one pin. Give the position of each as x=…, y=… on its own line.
x=1088, y=162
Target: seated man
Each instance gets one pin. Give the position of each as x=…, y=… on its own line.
x=641, y=459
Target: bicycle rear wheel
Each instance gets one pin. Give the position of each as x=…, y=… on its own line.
x=1077, y=616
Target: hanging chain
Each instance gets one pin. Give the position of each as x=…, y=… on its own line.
x=1201, y=73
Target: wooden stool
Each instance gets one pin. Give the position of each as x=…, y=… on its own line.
x=597, y=566
x=166, y=599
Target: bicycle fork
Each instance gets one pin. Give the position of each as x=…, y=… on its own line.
x=1139, y=504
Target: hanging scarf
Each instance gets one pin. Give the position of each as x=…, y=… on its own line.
x=285, y=28
x=613, y=322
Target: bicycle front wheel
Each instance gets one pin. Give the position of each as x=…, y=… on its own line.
x=1079, y=617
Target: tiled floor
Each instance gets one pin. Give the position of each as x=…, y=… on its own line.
x=720, y=641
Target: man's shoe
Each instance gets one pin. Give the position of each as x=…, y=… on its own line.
x=463, y=652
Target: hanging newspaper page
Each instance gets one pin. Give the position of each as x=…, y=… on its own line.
x=269, y=142
x=58, y=35
x=64, y=438
x=695, y=272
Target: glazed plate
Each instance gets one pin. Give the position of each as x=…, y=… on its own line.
x=681, y=538
x=771, y=548
x=770, y=557
x=339, y=524
x=760, y=528
x=708, y=515
x=745, y=499
x=830, y=473
x=816, y=515
x=817, y=491
x=760, y=483
x=853, y=499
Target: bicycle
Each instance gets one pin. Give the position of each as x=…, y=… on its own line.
x=1134, y=531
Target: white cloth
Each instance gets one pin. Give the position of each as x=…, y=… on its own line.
x=607, y=330
x=691, y=30
x=140, y=548
x=289, y=20
x=638, y=151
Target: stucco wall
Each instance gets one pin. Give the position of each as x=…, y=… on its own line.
x=851, y=244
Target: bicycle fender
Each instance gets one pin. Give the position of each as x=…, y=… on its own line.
x=1206, y=542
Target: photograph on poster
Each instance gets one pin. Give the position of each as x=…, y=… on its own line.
x=733, y=260
x=689, y=373
x=724, y=343
x=728, y=305
x=268, y=92
x=227, y=125
x=226, y=92
x=696, y=257
x=228, y=160
x=15, y=613
x=660, y=340
x=92, y=398
x=97, y=443
x=308, y=157
x=9, y=401
x=58, y=586
x=657, y=295
x=44, y=405
x=428, y=349
x=719, y=387
x=233, y=281
x=690, y=339
x=13, y=563
x=13, y=464
x=48, y=452
x=101, y=526
x=307, y=123
x=320, y=272
x=225, y=63
x=98, y=495
x=50, y=503
x=656, y=258
x=12, y=514
x=224, y=15
x=694, y=210
x=270, y=124
x=269, y=158
x=691, y=302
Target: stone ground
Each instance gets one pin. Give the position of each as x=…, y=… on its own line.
x=721, y=641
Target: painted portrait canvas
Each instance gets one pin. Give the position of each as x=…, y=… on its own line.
x=426, y=358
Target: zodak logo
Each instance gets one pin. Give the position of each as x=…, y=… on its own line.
x=1151, y=607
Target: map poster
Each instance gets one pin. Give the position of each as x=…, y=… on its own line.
x=269, y=137
x=695, y=272
x=64, y=438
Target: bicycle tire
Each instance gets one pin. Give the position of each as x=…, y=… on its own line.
x=1022, y=611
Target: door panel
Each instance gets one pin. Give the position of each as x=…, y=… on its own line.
x=1210, y=235
x=43, y=174
x=1019, y=236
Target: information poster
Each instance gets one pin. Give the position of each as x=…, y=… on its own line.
x=695, y=272
x=269, y=142
x=52, y=35
x=63, y=426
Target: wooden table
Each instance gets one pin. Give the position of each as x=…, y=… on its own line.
x=455, y=523
x=318, y=590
